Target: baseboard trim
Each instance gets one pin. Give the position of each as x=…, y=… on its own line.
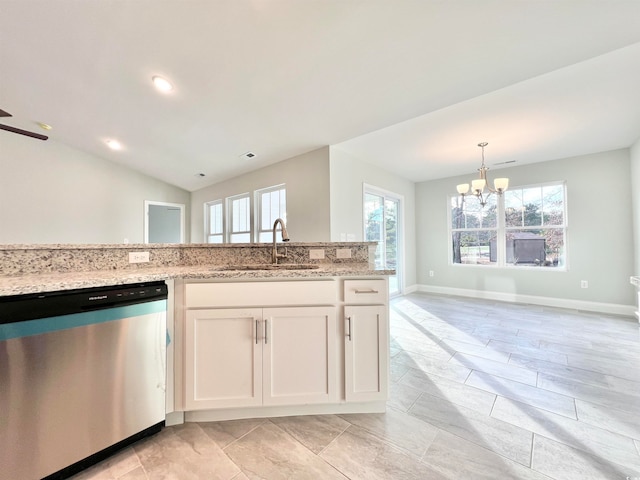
x=283, y=411
x=609, y=308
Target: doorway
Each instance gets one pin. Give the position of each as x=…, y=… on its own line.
x=383, y=224
x=164, y=222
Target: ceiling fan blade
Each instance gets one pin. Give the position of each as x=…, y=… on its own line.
x=4, y=114
x=23, y=132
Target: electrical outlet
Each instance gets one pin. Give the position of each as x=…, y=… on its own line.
x=431, y=273
x=138, y=257
x=343, y=253
x=316, y=253
x=584, y=284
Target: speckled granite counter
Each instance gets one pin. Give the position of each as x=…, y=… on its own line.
x=36, y=283
x=44, y=268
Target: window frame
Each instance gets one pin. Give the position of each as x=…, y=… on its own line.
x=502, y=230
x=230, y=218
x=207, y=221
x=258, y=212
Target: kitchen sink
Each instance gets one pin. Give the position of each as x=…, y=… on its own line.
x=270, y=266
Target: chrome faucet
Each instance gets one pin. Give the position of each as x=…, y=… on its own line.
x=285, y=238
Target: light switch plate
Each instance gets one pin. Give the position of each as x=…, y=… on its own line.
x=138, y=257
x=316, y=253
x=343, y=253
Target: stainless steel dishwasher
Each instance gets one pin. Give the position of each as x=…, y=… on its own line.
x=82, y=374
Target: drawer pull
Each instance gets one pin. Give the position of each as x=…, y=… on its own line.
x=348, y=319
x=369, y=290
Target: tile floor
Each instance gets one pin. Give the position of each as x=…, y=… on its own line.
x=479, y=390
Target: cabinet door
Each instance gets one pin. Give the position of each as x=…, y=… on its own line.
x=365, y=353
x=223, y=364
x=299, y=355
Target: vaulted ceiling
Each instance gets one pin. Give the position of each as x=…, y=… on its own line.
x=410, y=85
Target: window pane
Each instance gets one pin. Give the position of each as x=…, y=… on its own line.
x=539, y=247
x=475, y=247
x=240, y=238
x=532, y=202
x=215, y=218
x=391, y=224
x=214, y=239
x=513, y=208
x=240, y=215
x=265, y=211
x=373, y=212
x=469, y=213
x=273, y=205
x=553, y=205
x=266, y=237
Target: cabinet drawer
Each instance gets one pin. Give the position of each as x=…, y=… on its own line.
x=247, y=294
x=365, y=291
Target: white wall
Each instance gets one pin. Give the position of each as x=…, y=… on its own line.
x=348, y=175
x=51, y=193
x=635, y=200
x=307, y=179
x=599, y=235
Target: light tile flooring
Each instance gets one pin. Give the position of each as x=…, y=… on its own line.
x=479, y=390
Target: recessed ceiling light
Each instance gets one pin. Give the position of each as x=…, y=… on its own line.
x=44, y=126
x=114, y=144
x=162, y=84
x=248, y=156
x=200, y=175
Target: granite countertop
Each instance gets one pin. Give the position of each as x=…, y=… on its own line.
x=49, y=282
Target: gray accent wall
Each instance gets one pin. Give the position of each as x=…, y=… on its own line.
x=52, y=193
x=307, y=179
x=600, y=243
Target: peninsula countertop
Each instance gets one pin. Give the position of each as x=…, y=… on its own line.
x=49, y=282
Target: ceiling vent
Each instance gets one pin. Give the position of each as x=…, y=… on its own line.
x=248, y=156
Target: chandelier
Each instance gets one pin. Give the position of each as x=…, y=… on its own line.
x=477, y=185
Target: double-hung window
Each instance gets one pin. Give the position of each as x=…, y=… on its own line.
x=474, y=230
x=526, y=226
x=214, y=221
x=535, y=222
x=239, y=218
x=271, y=204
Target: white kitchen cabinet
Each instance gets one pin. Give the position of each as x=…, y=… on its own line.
x=299, y=355
x=223, y=364
x=366, y=341
x=243, y=357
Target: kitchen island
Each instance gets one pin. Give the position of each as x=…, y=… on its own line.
x=244, y=342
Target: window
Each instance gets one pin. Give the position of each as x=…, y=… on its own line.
x=271, y=204
x=383, y=224
x=231, y=220
x=214, y=221
x=239, y=218
x=524, y=227
x=473, y=229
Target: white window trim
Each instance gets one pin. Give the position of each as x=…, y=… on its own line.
x=207, y=217
x=258, y=210
x=229, y=223
x=501, y=230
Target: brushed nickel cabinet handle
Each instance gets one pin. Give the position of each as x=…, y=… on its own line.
x=348, y=320
x=369, y=290
x=266, y=329
x=257, y=321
